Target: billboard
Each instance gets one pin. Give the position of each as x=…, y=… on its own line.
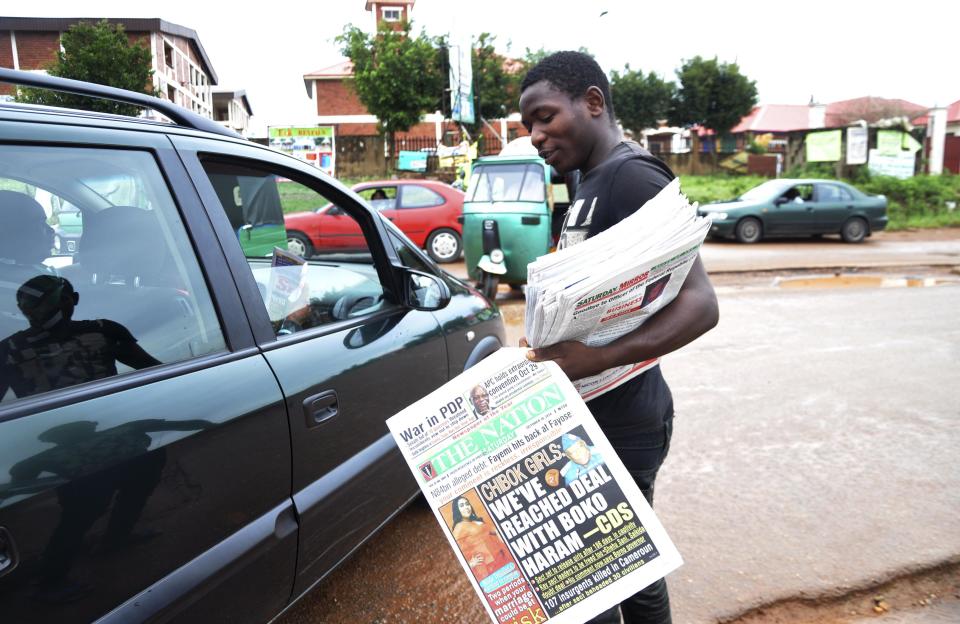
x=461, y=80
x=315, y=145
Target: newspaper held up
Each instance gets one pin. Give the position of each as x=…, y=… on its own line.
x=542, y=515
x=610, y=284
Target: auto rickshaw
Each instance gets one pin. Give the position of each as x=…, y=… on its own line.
x=512, y=214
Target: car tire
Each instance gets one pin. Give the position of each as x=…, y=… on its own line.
x=299, y=243
x=444, y=245
x=749, y=230
x=488, y=285
x=854, y=230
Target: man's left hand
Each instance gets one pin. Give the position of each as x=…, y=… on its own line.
x=576, y=359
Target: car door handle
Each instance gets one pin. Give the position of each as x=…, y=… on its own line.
x=320, y=408
x=8, y=552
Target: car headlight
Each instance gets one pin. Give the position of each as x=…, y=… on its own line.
x=716, y=216
x=496, y=256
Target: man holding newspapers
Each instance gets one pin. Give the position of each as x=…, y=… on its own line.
x=626, y=285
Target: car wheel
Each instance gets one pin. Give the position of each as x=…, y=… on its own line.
x=298, y=243
x=854, y=230
x=488, y=285
x=444, y=245
x=749, y=230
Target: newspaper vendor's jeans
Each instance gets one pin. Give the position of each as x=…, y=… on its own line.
x=642, y=454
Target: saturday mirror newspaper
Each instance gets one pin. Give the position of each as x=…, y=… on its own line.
x=542, y=515
x=610, y=284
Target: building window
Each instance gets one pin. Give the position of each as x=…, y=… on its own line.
x=172, y=93
x=168, y=54
x=391, y=15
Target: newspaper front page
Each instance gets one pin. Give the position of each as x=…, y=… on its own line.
x=542, y=515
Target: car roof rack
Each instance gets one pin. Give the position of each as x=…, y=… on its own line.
x=176, y=114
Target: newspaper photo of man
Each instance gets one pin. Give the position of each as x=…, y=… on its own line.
x=583, y=458
x=480, y=400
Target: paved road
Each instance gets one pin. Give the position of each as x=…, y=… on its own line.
x=815, y=446
x=814, y=453
x=879, y=251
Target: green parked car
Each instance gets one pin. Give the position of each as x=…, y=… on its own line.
x=798, y=208
x=192, y=429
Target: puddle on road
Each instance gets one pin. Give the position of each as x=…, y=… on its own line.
x=842, y=280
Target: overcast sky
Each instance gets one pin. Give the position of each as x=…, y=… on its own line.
x=830, y=50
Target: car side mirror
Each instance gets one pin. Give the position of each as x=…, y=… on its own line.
x=422, y=291
x=333, y=211
x=780, y=201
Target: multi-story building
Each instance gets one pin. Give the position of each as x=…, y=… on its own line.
x=232, y=108
x=182, y=72
x=338, y=105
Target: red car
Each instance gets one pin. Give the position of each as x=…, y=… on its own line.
x=425, y=210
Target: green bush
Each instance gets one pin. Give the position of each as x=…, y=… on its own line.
x=706, y=189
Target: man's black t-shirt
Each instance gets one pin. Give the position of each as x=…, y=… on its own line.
x=612, y=191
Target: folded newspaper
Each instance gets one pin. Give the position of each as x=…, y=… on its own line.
x=542, y=515
x=608, y=285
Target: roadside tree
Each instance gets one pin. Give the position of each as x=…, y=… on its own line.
x=640, y=101
x=712, y=94
x=100, y=53
x=397, y=77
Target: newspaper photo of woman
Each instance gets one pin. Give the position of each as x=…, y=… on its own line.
x=478, y=540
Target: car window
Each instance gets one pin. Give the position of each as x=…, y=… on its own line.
x=832, y=193
x=829, y=193
x=129, y=296
x=506, y=182
x=380, y=197
x=416, y=196
x=799, y=193
x=408, y=256
x=321, y=271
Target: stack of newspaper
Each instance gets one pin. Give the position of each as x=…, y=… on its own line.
x=608, y=285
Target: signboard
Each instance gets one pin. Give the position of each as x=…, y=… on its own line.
x=900, y=165
x=315, y=145
x=824, y=146
x=889, y=142
x=461, y=80
x=412, y=161
x=857, y=138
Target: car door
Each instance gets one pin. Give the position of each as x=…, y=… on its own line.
x=347, y=356
x=144, y=448
x=418, y=212
x=832, y=204
x=790, y=214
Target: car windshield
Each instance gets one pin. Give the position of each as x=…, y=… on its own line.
x=764, y=191
x=506, y=183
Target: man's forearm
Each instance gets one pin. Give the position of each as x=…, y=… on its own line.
x=692, y=313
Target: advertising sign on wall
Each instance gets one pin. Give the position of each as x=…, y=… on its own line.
x=315, y=145
x=857, y=138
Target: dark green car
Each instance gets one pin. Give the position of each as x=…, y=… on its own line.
x=189, y=432
x=798, y=208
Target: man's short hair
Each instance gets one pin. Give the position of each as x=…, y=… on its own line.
x=572, y=73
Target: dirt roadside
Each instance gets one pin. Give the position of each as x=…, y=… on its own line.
x=929, y=597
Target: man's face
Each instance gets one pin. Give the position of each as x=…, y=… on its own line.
x=579, y=453
x=559, y=127
x=481, y=401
